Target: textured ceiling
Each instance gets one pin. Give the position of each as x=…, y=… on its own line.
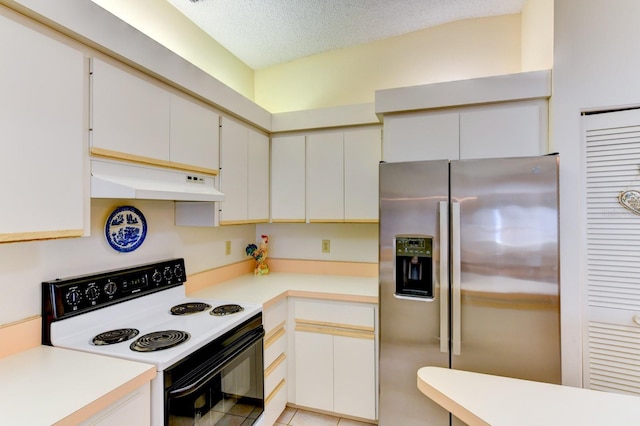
x=267, y=32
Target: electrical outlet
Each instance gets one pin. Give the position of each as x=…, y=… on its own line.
x=227, y=248
x=326, y=246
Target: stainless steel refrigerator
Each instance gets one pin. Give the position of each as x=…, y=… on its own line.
x=469, y=276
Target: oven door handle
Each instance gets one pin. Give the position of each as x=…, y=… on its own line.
x=195, y=385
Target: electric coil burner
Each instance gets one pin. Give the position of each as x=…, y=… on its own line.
x=209, y=367
x=115, y=336
x=223, y=310
x=189, y=308
x=159, y=340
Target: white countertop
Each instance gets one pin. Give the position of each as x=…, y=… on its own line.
x=266, y=289
x=482, y=399
x=47, y=386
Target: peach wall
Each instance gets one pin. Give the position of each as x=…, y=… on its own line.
x=458, y=50
x=537, y=35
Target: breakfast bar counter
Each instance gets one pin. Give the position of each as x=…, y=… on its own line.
x=482, y=399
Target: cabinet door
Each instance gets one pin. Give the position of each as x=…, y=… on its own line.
x=503, y=131
x=258, y=179
x=194, y=134
x=288, y=179
x=233, y=171
x=354, y=376
x=325, y=177
x=129, y=114
x=42, y=128
x=314, y=370
x=421, y=136
x=361, y=159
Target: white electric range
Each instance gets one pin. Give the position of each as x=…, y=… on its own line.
x=208, y=353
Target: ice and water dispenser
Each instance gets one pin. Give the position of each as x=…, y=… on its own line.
x=414, y=266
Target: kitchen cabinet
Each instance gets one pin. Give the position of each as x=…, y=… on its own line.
x=244, y=174
x=326, y=176
x=275, y=361
x=42, y=133
x=132, y=409
x=362, y=153
x=335, y=357
x=510, y=129
x=135, y=118
x=195, y=135
x=288, y=181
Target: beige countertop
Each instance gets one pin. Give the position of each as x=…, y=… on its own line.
x=267, y=289
x=53, y=386
x=482, y=399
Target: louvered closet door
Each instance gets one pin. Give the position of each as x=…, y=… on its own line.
x=612, y=347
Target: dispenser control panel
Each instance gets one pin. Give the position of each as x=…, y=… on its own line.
x=408, y=246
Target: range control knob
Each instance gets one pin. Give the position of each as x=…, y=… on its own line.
x=156, y=277
x=73, y=297
x=92, y=292
x=110, y=288
x=168, y=274
x=178, y=272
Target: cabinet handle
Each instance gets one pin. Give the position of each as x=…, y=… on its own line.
x=334, y=325
x=636, y=319
x=274, y=365
x=274, y=392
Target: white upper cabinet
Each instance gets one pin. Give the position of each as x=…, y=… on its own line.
x=42, y=133
x=362, y=151
x=130, y=114
x=288, y=180
x=258, y=177
x=244, y=174
x=136, y=118
x=325, y=177
x=514, y=129
x=333, y=177
x=195, y=135
x=421, y=136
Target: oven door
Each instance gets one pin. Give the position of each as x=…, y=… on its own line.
x=227, y=389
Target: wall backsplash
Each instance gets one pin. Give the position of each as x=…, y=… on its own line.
x=25, y=265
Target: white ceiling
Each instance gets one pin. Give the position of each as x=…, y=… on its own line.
x=267, y=32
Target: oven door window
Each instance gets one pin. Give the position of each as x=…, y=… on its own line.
x=230, y=393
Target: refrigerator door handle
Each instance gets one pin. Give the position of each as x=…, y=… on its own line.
x=444, y=276
x=455, y=278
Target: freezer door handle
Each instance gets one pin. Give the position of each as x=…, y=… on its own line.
x=444, y=276
x=455, y=277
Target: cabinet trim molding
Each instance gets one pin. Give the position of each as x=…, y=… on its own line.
x=123, y=156
x=274, y=365
x=274, y=392
x=38, y=235
x=242, y=222
x=274, y=335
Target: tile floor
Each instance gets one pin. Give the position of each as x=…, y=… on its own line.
x=294, y=417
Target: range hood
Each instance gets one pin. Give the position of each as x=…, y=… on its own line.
x=125, y=180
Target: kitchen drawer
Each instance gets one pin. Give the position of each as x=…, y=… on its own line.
x=275, y=373
x=274, y=316
x=274, y=345
x=275, y=403
x=335, y=314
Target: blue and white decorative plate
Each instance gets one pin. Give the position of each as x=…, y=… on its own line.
x=125, y=229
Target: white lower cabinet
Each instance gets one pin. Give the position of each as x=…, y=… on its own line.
x=274, y=319
x=335, y=357
x=132, y=409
